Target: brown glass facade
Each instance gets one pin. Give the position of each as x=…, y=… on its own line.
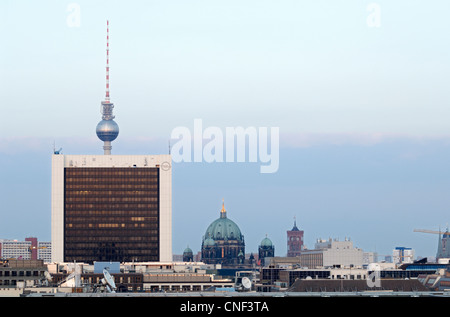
x=111, y=214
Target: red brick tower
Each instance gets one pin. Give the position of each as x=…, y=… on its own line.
x=294, y=241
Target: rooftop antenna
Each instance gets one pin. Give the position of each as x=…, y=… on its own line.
x=54, y=149
x=107, y=129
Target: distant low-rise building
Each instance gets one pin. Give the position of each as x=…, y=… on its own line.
x=439, y=281
x=403, y=255
x=30, y=249
x=332, y=253
x=26, y=272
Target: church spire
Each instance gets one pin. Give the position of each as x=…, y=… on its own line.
x=295, y=225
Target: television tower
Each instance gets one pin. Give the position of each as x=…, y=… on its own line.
x=107, y=129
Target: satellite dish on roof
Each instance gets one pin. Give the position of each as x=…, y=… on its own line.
x=108, y=280
x=246, y=283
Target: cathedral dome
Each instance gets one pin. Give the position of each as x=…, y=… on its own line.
x=223, y=229
x=223, y=242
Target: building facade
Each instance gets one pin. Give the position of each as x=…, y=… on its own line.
x=30, y=249
x=28, y=272
x=332, y=253
x=403, y=255
x=326, y=254
x=14, y=249
x=111, y=208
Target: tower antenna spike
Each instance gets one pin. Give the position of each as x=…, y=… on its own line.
x=107, y=62
x=107, y=105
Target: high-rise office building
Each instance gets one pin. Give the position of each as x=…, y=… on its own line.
x=111, y=207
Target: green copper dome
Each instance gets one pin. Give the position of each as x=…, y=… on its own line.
x=223, y=229
x=266, y=242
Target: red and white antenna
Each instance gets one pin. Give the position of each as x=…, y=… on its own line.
x=107, y=61
x=107, y=106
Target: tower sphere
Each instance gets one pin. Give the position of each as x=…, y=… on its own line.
x=107, y=130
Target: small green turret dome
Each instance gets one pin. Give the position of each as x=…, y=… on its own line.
x=266, y=242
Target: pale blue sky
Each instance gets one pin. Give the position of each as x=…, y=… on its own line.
x=306, y=66
x=366, y=106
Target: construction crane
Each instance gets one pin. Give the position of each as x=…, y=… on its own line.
x=443, y=244
x=34, y=248
x=31, y=248
x=432, y=231
x=402, y=258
